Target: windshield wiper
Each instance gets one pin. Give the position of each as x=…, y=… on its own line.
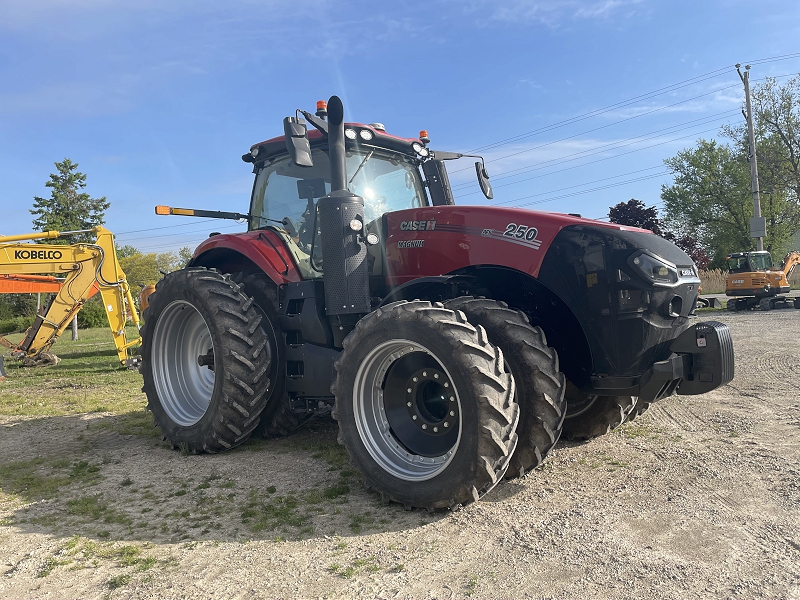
x=358, y=170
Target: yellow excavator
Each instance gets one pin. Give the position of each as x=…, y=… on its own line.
x=85, y=268
x=753, y=281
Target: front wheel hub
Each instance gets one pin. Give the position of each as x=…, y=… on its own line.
x=421, y=406
x=407, y=410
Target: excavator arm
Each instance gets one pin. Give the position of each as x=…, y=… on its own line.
x=790, y=261
x=85, y=268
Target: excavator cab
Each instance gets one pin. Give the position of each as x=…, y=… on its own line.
x=755, y=282
x=744, y=262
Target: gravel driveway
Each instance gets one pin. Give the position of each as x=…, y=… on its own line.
x=698, y=497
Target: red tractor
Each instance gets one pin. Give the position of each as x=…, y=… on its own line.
x=454, y=345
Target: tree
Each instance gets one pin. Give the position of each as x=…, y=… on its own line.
x=634, y=213
x=710, y=198
x=146, y=269
x=777, y=118
x=126, y=251
x=68, y=208
x=776, y=115
x=689, y=245
x=185, y=255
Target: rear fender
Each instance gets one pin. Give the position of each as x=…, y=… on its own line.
x=263, y=250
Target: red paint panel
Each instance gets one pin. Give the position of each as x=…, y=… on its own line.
x=438, y=240
x=273, y=258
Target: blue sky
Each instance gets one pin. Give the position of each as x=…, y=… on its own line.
x=158, y=99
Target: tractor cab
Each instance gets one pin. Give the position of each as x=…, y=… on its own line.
x=287, y=194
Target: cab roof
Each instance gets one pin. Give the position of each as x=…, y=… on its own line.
x=379, y=140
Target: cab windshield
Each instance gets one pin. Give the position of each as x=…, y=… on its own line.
x=285, y=196
x=754, y=261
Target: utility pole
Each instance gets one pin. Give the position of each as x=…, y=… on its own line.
x=758, y=224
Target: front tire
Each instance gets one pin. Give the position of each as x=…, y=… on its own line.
x=425, y=406
x=534, y=365
x=205, y=360
x=592, y=415
x=638, y=408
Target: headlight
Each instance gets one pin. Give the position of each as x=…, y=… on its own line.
x=656, y=269
x=420, y=149
x=365, y=134
x=350, y=134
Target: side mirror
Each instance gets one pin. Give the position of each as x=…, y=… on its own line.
x=483, y=180
x=297, y=143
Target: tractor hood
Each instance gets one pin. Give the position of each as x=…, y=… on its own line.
x=436, y=240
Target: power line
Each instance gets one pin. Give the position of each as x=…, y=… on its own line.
x=612, y=157
x=602, y=127
x=609, y=108
x=205, y=229
x=595, y=181
x=192, y=222
x=597, y=150
x=595, y=189
x=578, y=118
x=622, y=104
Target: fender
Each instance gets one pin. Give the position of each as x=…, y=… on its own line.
x=261, y=249
x=421, y=288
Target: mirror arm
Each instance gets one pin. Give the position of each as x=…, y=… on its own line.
x=319, y=124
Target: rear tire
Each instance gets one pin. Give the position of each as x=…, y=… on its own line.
x=534, y=365
x=591, y=415
x=425, y=406
x=277, y=419
x=200, y=316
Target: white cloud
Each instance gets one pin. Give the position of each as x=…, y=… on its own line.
x=552, y=13
x=605, y=9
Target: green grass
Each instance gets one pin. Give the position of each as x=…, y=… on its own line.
x=88, y=379
x=709, y=309
x=319, y=443
x=31, y=479
x=279, y=512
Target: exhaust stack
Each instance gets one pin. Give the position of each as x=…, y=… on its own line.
x=341, y=220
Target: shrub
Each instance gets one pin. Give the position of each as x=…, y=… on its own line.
x=15, y=324
x=713, y=281
x=93, y=314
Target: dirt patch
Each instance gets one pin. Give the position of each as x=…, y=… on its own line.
x=699, y=497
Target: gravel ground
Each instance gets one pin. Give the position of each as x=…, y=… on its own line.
x=698, y=497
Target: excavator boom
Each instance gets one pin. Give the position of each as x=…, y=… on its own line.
x=790, y=261
x=85, y=269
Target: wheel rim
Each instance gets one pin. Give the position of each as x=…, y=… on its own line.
x=402, y=398
x=579, y=404
x=184, y=386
